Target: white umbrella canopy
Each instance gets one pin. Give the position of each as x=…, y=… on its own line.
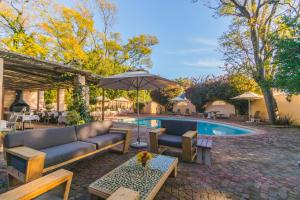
x=132, y=80
x=250, y=96
x=136, y=80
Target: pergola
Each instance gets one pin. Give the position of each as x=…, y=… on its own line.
x=21, y=72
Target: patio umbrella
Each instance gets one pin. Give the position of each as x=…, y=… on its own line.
x=180, y=98
x=250, y=96
x=135, y=80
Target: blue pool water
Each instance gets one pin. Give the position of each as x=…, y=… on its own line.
x=203, y=127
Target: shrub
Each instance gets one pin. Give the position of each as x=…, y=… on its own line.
x=285, y=120
x=74, y=118
x=141, y=106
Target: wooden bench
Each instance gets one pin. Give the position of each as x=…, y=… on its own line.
x=204, y=155
x=52, y=186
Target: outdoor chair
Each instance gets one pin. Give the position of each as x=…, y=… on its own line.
x=47, y=118
x=12, y=121
x=256, y=117
x=53, y=186
x=175, y=134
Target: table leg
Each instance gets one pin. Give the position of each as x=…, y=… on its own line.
x=174, y=172
x=207, y=157
x=199, y=155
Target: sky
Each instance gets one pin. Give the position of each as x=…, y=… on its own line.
x=187, y=32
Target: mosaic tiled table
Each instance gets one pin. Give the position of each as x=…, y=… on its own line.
x=132, y=175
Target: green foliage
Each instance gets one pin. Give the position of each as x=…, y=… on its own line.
x=220, y=88
x=50, y=96
x=285, y=120
x=288, y=59
x=184, y=82
x=163, y=96
x=74, y=118
x=243, y=84
x=141, y=106
x=79, y=104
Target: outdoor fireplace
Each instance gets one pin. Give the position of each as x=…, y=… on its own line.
x=19, y=104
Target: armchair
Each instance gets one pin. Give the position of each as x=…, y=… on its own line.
x=177, y=134
x=52, y=186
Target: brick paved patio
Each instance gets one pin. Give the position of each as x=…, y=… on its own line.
x=251, y=167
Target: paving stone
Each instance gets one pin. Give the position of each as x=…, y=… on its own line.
x=261, y=166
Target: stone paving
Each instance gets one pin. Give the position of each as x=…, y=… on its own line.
x=250, y=167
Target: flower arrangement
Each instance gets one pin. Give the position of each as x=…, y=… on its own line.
x=143, y=157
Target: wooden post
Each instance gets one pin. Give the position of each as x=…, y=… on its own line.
x=60, y=100
x=40, y=100
x=1, y=87
x=103, y=92
x=80, y=82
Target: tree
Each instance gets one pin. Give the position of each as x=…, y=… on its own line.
x=163, y=96
x=247, y=47
x=242, y=84
x=69, y=31
x=185, y=83
x=224, y=88
x=18, y=22
x=287, y=59
x=211, y=89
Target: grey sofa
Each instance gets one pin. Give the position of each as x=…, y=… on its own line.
x=177, y=134
x=68, y=144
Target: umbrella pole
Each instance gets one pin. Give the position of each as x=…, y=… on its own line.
x=138, y=115
x=138, y=144
x=102, y=104
x=249, y=109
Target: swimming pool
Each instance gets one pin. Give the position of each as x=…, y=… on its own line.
x=203, y=127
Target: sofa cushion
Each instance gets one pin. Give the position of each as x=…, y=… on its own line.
x=61, y=153
x=41, y=138
x=178, y=127
x=106, y=139
x=170, y=140
x=92, y=129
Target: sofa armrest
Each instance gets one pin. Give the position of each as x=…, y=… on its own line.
x=190, y=134
x=128, y=136
x=120, y=130
x=41, y=186
x=158, y=131
x=24, y=164
x=25, y=153
x=153, y=134
x=188, y=145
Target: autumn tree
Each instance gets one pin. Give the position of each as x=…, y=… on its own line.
x=19, y=21
x=247, y=46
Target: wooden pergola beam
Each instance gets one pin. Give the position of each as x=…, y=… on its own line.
x=25, y=72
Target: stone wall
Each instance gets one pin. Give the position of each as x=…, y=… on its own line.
x=30, y=97
x=285, y=107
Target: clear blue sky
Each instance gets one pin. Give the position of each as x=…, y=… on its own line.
x=187, y=34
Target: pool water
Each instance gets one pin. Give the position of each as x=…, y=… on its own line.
x=203, y=127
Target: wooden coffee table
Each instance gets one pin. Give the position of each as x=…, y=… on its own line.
x=147, y=181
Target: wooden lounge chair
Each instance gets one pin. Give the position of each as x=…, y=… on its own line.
x=176, y=134
x=53, y=186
